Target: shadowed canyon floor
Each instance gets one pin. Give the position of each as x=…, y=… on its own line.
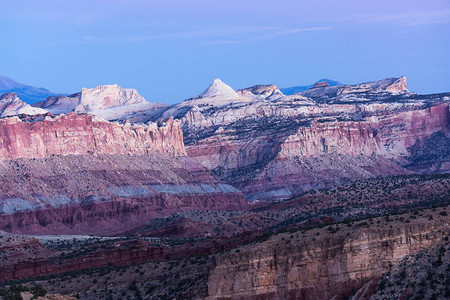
x=205, y=248
x=347, y=256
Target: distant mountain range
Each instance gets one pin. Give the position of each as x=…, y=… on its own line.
x=27, y=93
x=31, y=94
x=296, y=89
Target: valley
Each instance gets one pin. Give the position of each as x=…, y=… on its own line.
x=247, y=194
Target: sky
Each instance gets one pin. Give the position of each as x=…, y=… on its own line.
x=170, y=50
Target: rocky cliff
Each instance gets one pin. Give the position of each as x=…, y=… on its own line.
x=325, y=263
x=104, y=194
x=110, y=102
x=386, y=86
x=82, y=134
x=11, y=105
x=28, y=257
x=59, y=104
x=80, y=174
x=273, y=146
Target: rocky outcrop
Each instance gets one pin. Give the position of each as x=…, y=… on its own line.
x=105, y=96
x=11, y=105
x=218, y=89
x=268, y=91
x=104, y=194
x=60, y=104
x=77, y=173
x=320, y=84
x=80, y=134
x=27, y=257
x=323, y=91
x=322, y=263
x=279, y=147
x=111, y=102
x=398, y=86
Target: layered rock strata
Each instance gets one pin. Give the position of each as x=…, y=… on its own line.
x=78, y=174
x=322, y=263
x=272, y=146
x=110, y=102
x=11, y=105
x=82, y=134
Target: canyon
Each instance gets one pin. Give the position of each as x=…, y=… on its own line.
x=231, y=194
x=272, y=146
x=77, y=173
x=74, y=134
x=339, y=260
x=321, y=265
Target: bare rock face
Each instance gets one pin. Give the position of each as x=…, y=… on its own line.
x=320, y=84
x=60, y=104
x=110, y=102
x=27, y=257
x=398, y=86
x=321, y=264
x=105, y=96
x=77, y=134
x=104, y=194
x=277, y=148
x=77, y=173
x=269, y=91
x=11, y=105
x=216, y=97
x=218, y=89
x=338, y=93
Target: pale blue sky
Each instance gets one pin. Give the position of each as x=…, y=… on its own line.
x=170, y=50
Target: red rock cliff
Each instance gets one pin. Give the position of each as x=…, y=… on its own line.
x=79, y=134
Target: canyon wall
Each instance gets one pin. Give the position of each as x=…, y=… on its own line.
x=79, y=174
x=28, y=257
x=104, y=194
x=322, y=264
x=280, y=157
x=80, y=134
x=272, y=146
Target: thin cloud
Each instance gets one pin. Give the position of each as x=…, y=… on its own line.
x=201, y=33
x=403, y=19
x=268, y=36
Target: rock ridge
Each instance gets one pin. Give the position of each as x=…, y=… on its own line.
x=86, y=134
x=11, y=105
x=319, y=264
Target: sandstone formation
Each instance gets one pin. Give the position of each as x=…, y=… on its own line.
x=269, y=91
x=110, y=102
x=104, y=194
x=272, y=146
x=77, y=173
x=60, y=104
x=389, y=85
x=30, y=258
x=218, y=89
x=11, y=105
x=77, y=134
x=320, y=84
x=322, y=263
